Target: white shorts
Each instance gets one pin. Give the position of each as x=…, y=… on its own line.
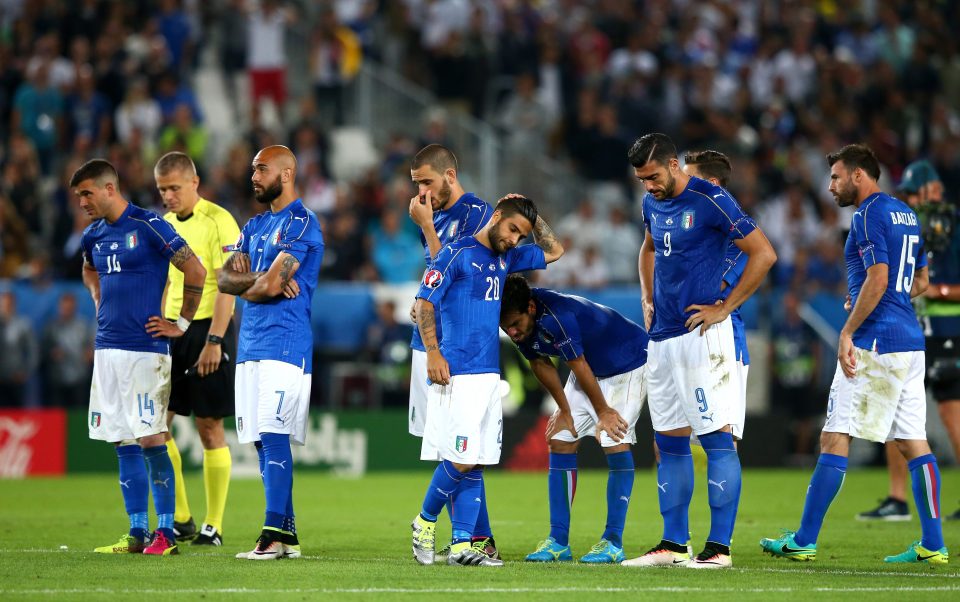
x=129, y=394
x=885, y=400
x=625, y=393
x=693, y=381
x=740, y=411
x=272, y=397
x=417, y=416
x=465, y=421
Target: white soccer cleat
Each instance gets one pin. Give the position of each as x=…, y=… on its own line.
x=424, y=535
x=665, y=553
x=471, y=556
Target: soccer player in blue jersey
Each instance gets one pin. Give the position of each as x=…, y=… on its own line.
x=465, y=423
x=126, y=254
x=604, y=394
x=691, y=362
x=445, y=213
x=275, y=268
x=878, y=390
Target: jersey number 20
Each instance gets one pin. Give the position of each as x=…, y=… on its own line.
x=905, y=281
x=493, y=289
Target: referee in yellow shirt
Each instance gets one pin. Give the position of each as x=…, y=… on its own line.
x=204, y=357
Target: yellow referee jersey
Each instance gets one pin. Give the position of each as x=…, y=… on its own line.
x=211, y=232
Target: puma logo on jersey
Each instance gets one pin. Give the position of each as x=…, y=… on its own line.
x=477, y=265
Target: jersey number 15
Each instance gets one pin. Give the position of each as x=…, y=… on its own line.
x=905, y=281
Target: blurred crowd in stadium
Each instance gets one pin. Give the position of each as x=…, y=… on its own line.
x=775, y=85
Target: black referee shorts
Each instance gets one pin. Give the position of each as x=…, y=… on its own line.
x=212, y=395
x=943, y=375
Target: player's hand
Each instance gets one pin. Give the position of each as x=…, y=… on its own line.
x=847, y=354
x=291, y=289
x=209, y=361
x=159, y=327
x=848, y=303
x=413, y=312
x=438, y=370
x=705, y=316
x=560, y=421
x=421, y=210
x=647, y=314
x=241, y=262
x=611, y=421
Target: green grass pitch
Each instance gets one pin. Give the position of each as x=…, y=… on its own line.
x=356, y=544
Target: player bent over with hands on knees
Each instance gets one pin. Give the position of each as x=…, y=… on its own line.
x=607, y=356
x=126, y=254
x=878, y=390
x=464, y=428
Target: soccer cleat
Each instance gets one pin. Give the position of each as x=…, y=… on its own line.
x=713, y=556
x=550, y=551
x=665, y=553
x=127, y=544
x=291, y=545
x=161, y=546
x=466, y=554
x=604, y=552
x=209, y=536
x=269, y=547
x=786, y=547
x=918, y=553
x=488, y=547
x=890, y=509
x=424, y=533
x=185, y=531
x=441, y=554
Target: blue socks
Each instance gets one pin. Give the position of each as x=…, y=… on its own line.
x=561, y=489
x=619, y=488
x=465, y=503
x=723, y=484
x=824, y=485
x=277, y=477
x=675, y=484
x=133, y=486
x=445, y=482
x=482, y=530
x=162, y=486
x=925, y=477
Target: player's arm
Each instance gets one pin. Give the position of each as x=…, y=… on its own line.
x=608, y=419
x=545, y=238
x=212, y=353
x=921, y=283
x=438, y=370
x=760, y=258
x=275, y=281
x=871, y=292
x=194, y=275
x=235, y=276
x=91, y=280
x=645, y=267
x=421, y=212
x=562, y=419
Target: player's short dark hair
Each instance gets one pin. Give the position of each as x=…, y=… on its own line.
x=100, y=171
x=516, y=295
x=857, y=155
x=652, y=147
x=710, y=164
x=437, y=156
x=518, y=205
x=175, y=161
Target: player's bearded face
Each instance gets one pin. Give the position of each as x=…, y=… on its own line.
x=518, y=326
x=663, y=185
x=842, y=186
x=508, y=232
x=266, y=194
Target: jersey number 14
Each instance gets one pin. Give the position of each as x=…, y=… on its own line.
x=905, y=281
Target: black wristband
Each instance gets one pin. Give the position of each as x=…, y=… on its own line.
x=212, y=338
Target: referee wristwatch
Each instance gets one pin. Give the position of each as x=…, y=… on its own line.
x=214, y=339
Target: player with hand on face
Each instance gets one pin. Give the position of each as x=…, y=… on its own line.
x=604, y=394
x=465, y=421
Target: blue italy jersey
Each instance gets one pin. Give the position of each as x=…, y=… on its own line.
x=465, y=283
x=279, y=329
x=568, y=326
x=132, y=257
x=735, y=261
x=465, y=218
x=886, y=230
x=691, y=234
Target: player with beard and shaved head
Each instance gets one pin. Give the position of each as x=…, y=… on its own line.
x=878, y=389
x=274, y=267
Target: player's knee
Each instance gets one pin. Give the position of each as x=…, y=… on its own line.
x=211, y=432
x=563, y=447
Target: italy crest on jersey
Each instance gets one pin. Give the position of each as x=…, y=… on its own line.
x=686, y=222
x=276, y=237
x=503, y=263
x=131, y=240
x=452, y=231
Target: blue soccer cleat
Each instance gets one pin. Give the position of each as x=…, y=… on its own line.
x=604, y=552
x=550, y=551
x=918, y=553
x=786, y=547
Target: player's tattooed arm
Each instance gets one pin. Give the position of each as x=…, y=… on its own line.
x=276, y=281
x=235, y=276
x=545, y=238
x=194, y=275
x=438, y=370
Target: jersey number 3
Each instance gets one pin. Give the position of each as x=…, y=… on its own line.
x=905, y=281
